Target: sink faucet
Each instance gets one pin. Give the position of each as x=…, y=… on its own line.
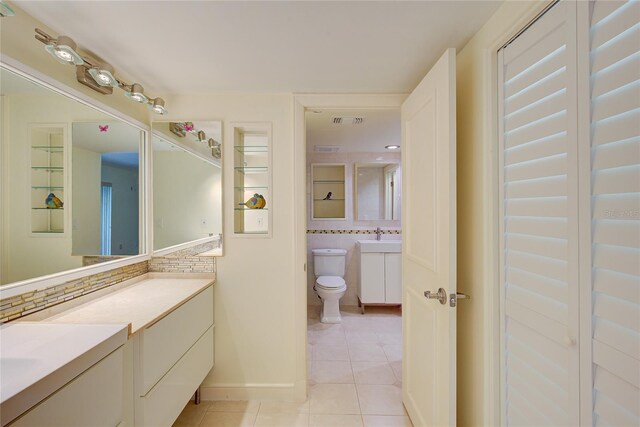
x=378, y=233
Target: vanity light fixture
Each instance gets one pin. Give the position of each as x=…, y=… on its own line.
x=157, y=106
x=181, y=129
x=202, y=137
x=392, y=147
x=103, y=74
x=96, y=74
x=135, y=93
x=64, y=50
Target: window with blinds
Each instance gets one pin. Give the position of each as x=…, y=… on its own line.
x=570, y=217
x=615, y=216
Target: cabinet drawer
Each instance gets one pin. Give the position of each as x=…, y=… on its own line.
x=94, y=398
x=162, y=405
x=165, y=342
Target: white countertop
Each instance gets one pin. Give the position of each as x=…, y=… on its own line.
x=36, y=359
x=140, y=305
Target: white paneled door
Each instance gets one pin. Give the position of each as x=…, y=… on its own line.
x=429, y=247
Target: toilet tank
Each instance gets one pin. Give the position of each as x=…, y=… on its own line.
x=329, y=262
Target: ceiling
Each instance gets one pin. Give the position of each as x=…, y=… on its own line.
x=118, y=137
x=379, y=128
x=181, y=47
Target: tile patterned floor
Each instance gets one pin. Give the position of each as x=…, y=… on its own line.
x=354, y=379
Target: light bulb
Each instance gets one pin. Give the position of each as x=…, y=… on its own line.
x=64, y=55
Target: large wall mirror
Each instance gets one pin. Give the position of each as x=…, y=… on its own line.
x=378, y=191
x=187, y=183
x=71, y=182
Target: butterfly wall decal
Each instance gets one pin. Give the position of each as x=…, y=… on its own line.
x=103, y=128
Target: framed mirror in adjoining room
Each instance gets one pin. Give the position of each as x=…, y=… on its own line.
x=72, y=184
x=377, y=192
x=187, y=186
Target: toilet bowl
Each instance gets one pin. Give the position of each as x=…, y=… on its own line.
x=329, y=267
x=330, y=289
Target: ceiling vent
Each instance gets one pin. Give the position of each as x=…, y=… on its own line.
x=326, y=148
x=347, y=120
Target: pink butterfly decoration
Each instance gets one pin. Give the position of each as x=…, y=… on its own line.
x=188, y=126
x=103, y=128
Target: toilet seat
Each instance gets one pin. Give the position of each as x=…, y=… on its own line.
x=330, y=282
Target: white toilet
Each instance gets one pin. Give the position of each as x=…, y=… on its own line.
x=328, y=267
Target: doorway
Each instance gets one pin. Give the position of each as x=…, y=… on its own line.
x=354, y=182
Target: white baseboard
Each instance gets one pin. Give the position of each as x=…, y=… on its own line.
x=289, y=392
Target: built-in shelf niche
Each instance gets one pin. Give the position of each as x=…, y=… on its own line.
x=252, y=175
x=328, y=191
x=48, y=167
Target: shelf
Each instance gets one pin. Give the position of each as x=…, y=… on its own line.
x=38, y=187
x=48, y=232
x=251, y=188
x=328, y=182
x=48, y=168
x=251, y=169
x=328, y=200
x=251, y=148
x=252, y=210
x=48, y=209
x=255, y=232
x=51, y=149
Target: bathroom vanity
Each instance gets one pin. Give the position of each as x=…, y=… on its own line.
x=167, y=351
x=379, y=272
x=48, y=368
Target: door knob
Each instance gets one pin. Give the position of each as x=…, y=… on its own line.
x=453, y=298
x=441, y=295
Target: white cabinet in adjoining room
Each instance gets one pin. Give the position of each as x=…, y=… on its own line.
x=380, y=272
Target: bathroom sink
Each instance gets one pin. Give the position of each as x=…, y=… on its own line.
x=380, y=245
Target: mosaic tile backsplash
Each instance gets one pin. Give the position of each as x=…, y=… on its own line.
x=186, y=260
x=353, y=231
x=30, y=302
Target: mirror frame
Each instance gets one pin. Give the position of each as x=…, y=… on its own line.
x=42, y=282
x=357, y=165
x=203, y=156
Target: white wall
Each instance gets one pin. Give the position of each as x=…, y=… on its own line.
x=85, y=216
x=478, y=396
x=186, y=190
x=257, y=353
x=124, y=208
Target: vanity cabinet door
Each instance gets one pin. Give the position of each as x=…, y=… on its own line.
x=94, y=398
x=372, y=277
x=393, y=278
x=166, y=341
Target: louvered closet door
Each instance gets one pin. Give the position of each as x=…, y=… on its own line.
x=539, y=250
x=615, y=216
